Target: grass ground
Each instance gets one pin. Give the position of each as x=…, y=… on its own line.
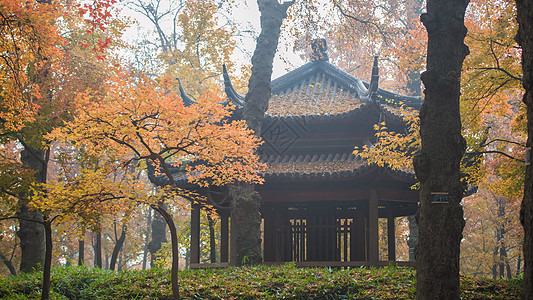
x=277, y=282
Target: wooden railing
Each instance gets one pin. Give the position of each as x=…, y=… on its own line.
x=335, y=264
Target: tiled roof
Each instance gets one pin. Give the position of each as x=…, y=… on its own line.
x=323, y=164
x=330, y=165
x=317, y=95
x=318, y=89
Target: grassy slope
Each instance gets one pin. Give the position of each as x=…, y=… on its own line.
x=281, y=282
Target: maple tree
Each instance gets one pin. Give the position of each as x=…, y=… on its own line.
x=90, y=195
x=140, y=119
x=39, y=75
x=193, y=46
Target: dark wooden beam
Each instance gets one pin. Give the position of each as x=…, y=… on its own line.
x=308, y=194
x=373, y=230
x=269, y=246
x=358, y=236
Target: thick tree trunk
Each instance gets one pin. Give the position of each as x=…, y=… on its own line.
x=118, y=247
x=81, y=252
x=31, y=234
x=98, y=250
x=524, y=37
x=245, y=202
x=175, y=250
x=245, y=225
x=437, y=164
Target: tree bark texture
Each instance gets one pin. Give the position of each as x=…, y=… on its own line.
x=31, y=234
x=98, y=250
x=524, y=37
x=437, y=165
x=245, y=225
x=245, y=201
x=81, y=252
x=256, y=100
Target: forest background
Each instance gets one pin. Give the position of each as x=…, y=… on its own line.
x=190, y=40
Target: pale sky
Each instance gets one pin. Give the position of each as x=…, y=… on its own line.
x=245, y=13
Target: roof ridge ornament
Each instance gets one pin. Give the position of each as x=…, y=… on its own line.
x=320, y=48
x=370, y=94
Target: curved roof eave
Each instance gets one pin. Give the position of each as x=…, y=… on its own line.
x=235, y=98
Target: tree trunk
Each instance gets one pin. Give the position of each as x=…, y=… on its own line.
x=245, y=202
x=81, y=252
x=495, y=262
x=524, y=9
x=98, y=250
x=8, y=264
x=212, y=242
x=118, y=247
x=506, y=262
x=245, y=225
x=437, y=166
x=45, y=295
x=158, y=236
x=518, y=264
x=175, y=250
x=31, y=234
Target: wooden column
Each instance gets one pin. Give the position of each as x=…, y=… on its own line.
x=269, y=242
x=195, y=234
x=358, y=235
x=224, y=236
x=373, y=233
x=391, y=238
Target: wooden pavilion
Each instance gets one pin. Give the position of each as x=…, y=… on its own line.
x=321, y=204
